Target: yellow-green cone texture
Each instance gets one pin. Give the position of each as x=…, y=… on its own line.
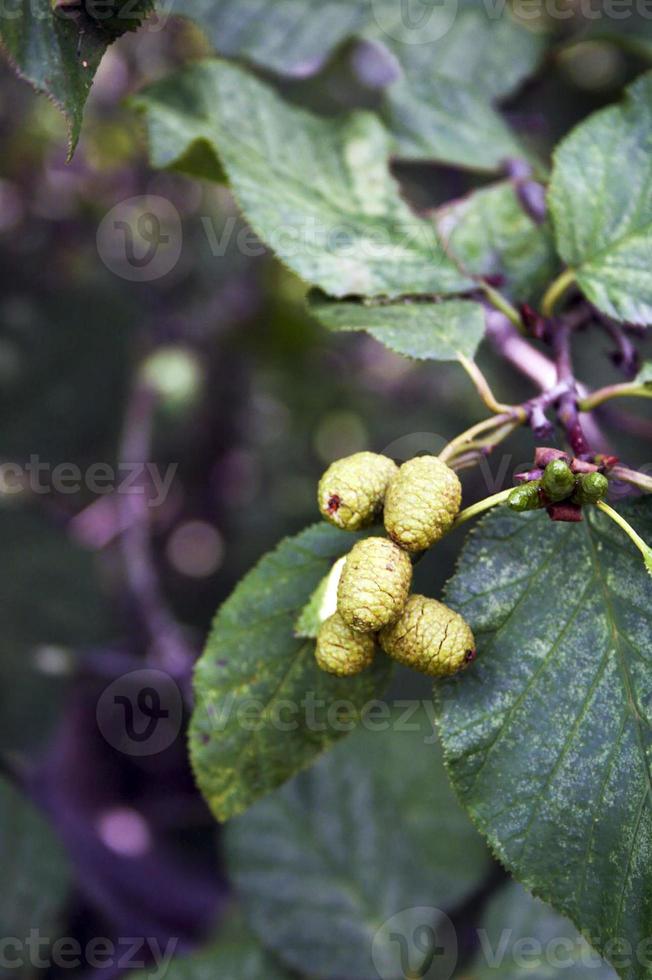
x=352, y=490
x=430, y=638
x=421, y=503
x=342, y=651
x=374, y=584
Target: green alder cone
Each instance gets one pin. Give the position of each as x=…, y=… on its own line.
x=525, y=497
x=342, y=651
x=421, y=503
x=429, y=637
x=591, y=488
x=352, y=490
x=558, y=481
x=374, y=585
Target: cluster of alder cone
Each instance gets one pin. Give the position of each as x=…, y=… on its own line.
x=419, y=503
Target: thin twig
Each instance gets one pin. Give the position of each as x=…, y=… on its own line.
x=481, y=506
x=556, y=291
x=634, y=477
x=502, y=304
x=567, y=411
x=499, y=427
x=169, y=649
x=629, y=389
x=483, y=388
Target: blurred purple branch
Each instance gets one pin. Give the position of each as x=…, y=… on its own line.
x=169, y=648
x=625, y=356
x=555, y=379
x=530, y=193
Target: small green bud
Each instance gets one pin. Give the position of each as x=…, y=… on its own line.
x=591, y=487
x=525, y=497
x=558, y=481
x=430, y=638
x=421, y=503
x=374, y=584
x=352, y=490
x=342, y=651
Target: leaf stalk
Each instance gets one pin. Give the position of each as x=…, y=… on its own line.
x=556, y=290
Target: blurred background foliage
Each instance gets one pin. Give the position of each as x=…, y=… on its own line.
x=253, y=400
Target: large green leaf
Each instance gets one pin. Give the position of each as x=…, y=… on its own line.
x=489, y=234
x=424, y=330
x=34, y=873
x=455, y=60
x=548, y=738
x=293, y=37
x=325, y=865
x=601, y=203
x=482, y=48
x=520, y=937
x=463, y=41
x=50, y=605
x=262, y=704
x=439, y=118
x=318, y=191
x=48, y=51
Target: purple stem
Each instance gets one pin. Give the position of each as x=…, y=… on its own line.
x=530, y=193
x=568, y=411
x=169, y=649
x=531, y=363
x=513, y=348
x=626, y=356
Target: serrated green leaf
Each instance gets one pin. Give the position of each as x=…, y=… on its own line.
x=423, y=330
x=324, y=865
x=601, y=203
x=486, y=49
x=443, y=119
x=522, y=937
x=456, y=59
x=294, y=37
x=34, y=872
x=48, y=51
x=548, y=737
x=489, y=234
x=481, y=48
x=318, y=191
x=261, y=701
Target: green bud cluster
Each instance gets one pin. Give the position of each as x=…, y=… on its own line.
x=558, y=484
x=420, y=502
